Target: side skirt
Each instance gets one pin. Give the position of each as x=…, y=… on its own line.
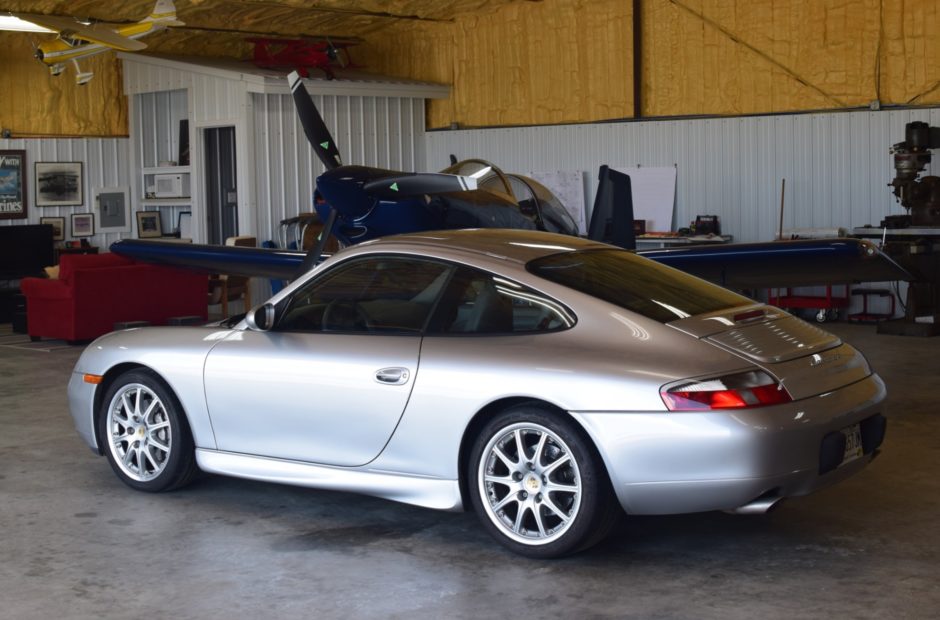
x=407, y=488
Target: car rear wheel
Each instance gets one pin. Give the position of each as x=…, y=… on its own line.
x=146, y=436
x=538, y=485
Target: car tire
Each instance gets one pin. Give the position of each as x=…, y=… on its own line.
x=145, y=434
x=554, y=501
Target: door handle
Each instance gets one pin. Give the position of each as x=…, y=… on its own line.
x=392, y=376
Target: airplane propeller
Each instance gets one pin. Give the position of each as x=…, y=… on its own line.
x=314, y=127
x=392, y=186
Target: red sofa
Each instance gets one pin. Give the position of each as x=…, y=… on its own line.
x=93, y=292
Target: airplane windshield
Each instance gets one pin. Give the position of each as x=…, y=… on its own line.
x=488, y=176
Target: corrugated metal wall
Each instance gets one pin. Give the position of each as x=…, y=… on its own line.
x=383, y=132
x=105, y=164
x=836, y=165
x=156, y=125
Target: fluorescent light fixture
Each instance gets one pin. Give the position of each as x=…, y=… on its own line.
x=9, y=22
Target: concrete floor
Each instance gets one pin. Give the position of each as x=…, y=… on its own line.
x=77, y=543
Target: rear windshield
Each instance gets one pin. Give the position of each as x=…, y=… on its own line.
x=637, y=284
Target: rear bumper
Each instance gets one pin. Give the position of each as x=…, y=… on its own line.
x=668, y=463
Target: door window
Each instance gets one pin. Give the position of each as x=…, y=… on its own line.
x=375, y=294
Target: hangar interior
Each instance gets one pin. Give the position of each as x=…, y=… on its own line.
x=777, y=118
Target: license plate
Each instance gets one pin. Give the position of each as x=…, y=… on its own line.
x=853, y=443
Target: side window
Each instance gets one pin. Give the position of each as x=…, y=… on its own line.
x=477, y=302
x=375, y=294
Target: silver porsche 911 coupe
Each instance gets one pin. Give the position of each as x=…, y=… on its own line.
x=547, y=381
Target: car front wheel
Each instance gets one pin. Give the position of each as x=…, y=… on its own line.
x=538, y=485
x=146, y=436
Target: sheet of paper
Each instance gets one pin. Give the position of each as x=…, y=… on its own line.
x=654, y=195
x=568, y=186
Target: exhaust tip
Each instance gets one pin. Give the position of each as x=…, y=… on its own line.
x=762, y=505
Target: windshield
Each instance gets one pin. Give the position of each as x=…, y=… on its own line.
x=636, y=284
x=488, y=176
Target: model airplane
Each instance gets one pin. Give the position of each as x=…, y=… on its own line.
x=79, y=40
x=302, y=55
x=358, y=203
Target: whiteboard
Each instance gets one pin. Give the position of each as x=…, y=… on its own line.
x=568, y=186
x=654, y=195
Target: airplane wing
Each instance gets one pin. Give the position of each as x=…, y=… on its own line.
x=777, y=264
x=70, y=27
x=742, y=266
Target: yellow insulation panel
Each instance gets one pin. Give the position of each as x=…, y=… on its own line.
x=557, y=61
x=539, y=62
x=35, y=103
x=764, y=56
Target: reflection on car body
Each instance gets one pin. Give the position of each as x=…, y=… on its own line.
x=548, y=382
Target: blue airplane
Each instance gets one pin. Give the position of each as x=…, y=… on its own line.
x=358, y=203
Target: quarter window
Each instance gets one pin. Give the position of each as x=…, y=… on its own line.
x=476, y=302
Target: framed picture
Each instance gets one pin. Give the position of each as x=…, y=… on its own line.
x=113, y=209
x=12, y=185
x=148, y=224
x=185, y=225
x=58, y=226
x=59, y=184
x=83, y=224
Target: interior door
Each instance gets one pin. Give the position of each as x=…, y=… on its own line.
x=221, y=183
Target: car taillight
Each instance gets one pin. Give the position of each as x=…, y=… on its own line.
x=740, y=391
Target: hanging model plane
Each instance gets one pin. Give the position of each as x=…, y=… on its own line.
x=302, y=55
x=80, y=40
x=359, y=203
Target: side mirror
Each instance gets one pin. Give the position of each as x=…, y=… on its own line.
x=260, y=318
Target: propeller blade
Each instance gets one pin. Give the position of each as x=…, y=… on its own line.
x=314, y=127
x=417, y=183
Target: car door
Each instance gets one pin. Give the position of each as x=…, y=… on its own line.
x=330, y=382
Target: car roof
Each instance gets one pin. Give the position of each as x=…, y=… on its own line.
x=513, y=245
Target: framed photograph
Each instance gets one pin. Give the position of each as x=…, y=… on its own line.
x=12, y=185
x=148, y=224
x=185, y=225
x=58, y=226
x=83, y=224
x=59, y=184
x=112, y=209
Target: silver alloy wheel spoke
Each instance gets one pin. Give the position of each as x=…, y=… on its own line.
x=551, y=468
x=539, y=449
x=505, y=459
x=519, y=516
x=554, y=487
x=520, y=448
x=537, y=514
x=558, y=511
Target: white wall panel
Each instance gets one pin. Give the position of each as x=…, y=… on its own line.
x=105, y=163
x=836, y=165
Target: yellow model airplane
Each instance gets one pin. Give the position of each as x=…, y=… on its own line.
x=78, y=40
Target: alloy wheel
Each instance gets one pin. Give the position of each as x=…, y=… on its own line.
x=140, y=436
x=530, y=483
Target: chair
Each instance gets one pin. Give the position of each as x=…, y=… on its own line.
x=224, y=288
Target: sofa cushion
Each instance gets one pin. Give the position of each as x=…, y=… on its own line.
x=71, y=262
